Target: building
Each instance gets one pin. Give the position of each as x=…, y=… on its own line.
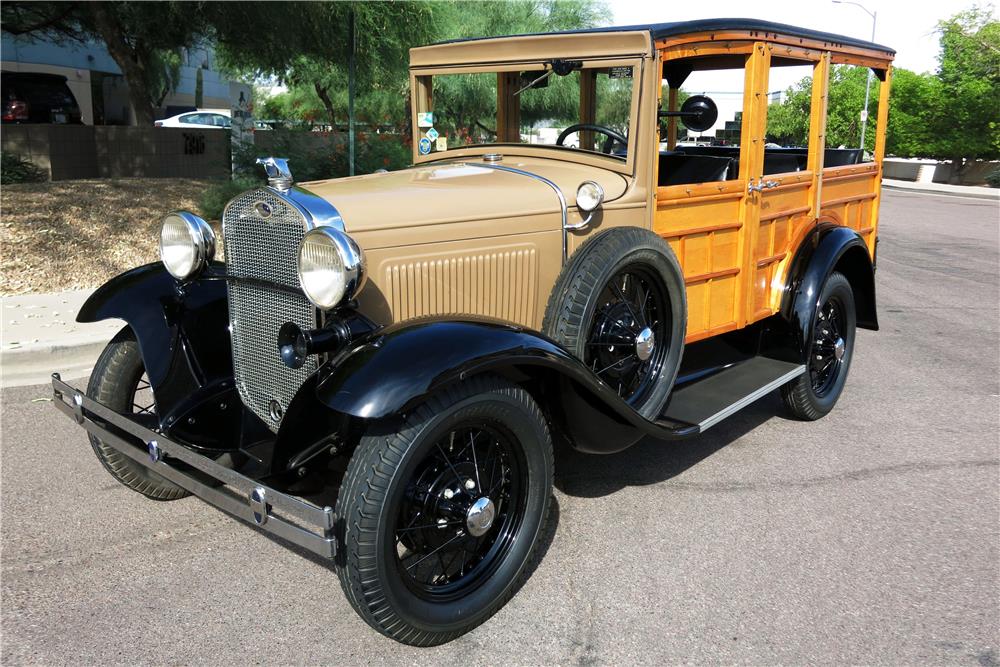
x=99, y=87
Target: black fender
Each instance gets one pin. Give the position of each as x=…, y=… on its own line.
x=828, y=248
x=390, y=371
x=183, y=336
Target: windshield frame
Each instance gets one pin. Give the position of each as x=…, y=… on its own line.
x=420, y=78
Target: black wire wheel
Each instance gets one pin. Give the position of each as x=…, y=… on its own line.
x=830, y=349
x=619, y=306
x=631, y=316
x=442, y=515
x=119, y=381
x=460, y=511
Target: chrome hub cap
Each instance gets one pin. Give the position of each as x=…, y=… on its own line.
x=480, y=516
x=645, y=341
x=839, y=348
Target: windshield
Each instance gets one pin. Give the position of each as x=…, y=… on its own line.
x=559, y=103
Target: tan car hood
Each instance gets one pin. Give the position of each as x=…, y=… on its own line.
x=450, y=192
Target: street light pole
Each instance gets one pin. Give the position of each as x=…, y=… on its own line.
x=868, y=80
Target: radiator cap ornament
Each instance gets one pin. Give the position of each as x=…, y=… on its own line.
x=279, y=176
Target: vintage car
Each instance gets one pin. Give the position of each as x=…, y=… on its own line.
x=423, y=337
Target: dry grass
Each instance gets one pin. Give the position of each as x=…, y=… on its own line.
x=77, y=234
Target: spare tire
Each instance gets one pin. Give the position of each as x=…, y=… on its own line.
x=620, y=306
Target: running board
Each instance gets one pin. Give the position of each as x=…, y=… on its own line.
x=709, y=401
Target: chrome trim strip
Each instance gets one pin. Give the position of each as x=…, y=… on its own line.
x=749, y=398
x=317, y=211
x=555, y=188
x=238, y=500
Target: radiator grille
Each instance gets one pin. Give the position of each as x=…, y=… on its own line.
x=264, y=249
x=495, y=284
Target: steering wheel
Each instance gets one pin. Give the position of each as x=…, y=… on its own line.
x=609, y=143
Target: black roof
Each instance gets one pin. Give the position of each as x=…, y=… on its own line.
x=660, y=30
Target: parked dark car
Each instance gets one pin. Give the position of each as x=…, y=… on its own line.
x=29, y=97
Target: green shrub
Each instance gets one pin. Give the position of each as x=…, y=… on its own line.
x=993, y=178
x=311, y=156
x=15, y=169
x=382, y=151
x=315, y=156
x=214, y=199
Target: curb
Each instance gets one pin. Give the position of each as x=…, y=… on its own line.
x=39, y=335
x=966, y=193
x=34, y=364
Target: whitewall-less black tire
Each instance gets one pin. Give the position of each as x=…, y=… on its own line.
x=442, y=512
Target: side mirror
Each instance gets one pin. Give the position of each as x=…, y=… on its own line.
x=698, y=113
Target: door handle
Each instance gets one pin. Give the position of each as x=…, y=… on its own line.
x=761, y=186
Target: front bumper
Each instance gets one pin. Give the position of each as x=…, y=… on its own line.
x=280, y=514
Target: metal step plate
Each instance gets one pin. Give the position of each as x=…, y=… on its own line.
x=709, y=401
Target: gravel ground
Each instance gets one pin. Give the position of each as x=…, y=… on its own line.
x=77, y=234
x=868, y=537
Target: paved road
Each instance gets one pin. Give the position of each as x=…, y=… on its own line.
x=870, y=536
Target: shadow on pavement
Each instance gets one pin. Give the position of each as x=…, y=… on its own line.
x=590, y=476
x=652, y=461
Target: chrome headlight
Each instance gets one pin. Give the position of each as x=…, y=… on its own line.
x=187, y=244
x=331, y=267
x=589, y=196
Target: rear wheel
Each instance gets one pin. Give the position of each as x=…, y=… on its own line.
x=619, y=306
x=119, y=381
x=442, y=515
x=814, y=393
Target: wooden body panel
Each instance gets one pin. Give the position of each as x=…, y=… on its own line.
x=736, y=247
x=703, y=227
x=849, y=199
x=783, y=223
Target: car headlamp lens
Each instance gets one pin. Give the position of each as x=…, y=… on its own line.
x=589, y=196
x=187, y=244
x=331, y=267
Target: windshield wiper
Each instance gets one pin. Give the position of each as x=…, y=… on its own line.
x=544, y=76
x=560, y=67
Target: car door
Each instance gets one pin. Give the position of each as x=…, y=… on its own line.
x=784, y=184
x=703, y=207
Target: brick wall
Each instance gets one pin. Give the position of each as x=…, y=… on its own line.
x=80, y=151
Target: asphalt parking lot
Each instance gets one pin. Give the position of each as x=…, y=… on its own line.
x=870, y=536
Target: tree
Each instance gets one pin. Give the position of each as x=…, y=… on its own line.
x=492, y=18
x=199, y=88
x=143, y=38
x=469, y=101
x=965, y=122
x=788, y=122
x=317, y=79
x=316, y=56
x=914, y=97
